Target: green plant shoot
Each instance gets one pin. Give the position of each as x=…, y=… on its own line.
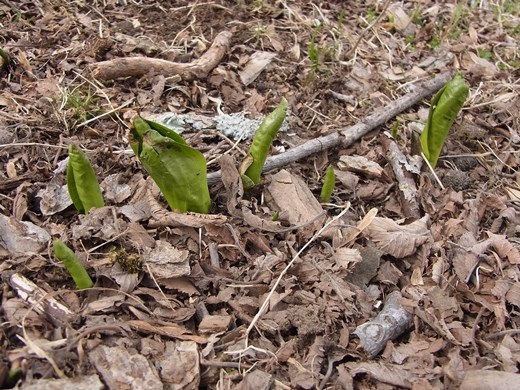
x=178, y=169
x=444, y=109
x=329, y=182
x=251, y=167
x=5, y=59
x=72, y=264
x=82, y=182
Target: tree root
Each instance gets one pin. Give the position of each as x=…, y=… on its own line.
x=140, y=66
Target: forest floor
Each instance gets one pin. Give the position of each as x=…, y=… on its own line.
x=273, y=288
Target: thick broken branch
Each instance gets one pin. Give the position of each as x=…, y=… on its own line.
x=139, y=66
x=349, y=135
x=390, y=323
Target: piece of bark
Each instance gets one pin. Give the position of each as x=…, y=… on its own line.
x=41, y=301
x=389, y=324
x=402, y=171
x=351, y=134
x=123, y=368
x=162, y=217
x=212, y=324
x=291, y=197
x=139, y=66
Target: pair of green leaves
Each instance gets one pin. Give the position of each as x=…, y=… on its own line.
x=178, y=169
x=444, y=109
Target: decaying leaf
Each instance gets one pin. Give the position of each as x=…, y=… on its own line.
x=257, y=63
x=289, y=195
x=347, y=257
x=166, y=261
x=360, y=164
x=180, y=367
x=122, y=369
x=22, y=237
x=399, y=240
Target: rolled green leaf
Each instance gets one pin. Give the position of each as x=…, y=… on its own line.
x=329, y=182
x=72, y=264
x=444, y=109
x=178, y=169
x=82, y=182
x=264, y=136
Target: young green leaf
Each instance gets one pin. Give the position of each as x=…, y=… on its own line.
x=72, y=264
x=264, y=136
x=82, y=181
x=444, y=109
x=178, y=169
x=329, y=182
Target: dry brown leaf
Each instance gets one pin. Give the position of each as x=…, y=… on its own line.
x=122, y=369
x=104, y=304
x=505, y=248
x=360, y=164
x=289, y=195
x=22, y=237
x=54, y=198
x=256, y=379
x=215, y=323
x=182, y=284
x=489, y=380
x=347, y=257
x=399, y=240
x=127, y=281
x=166, y=261
x=91, y=382
x=361, y=226
x=100, y=222
x=256, y=64
x=179, y=366
x=400, y=19
x=116, y=188
x=445, y=305
x=513, y=295
x=365, y=270
x=385, y=373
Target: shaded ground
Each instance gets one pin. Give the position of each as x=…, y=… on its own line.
x=177, y=306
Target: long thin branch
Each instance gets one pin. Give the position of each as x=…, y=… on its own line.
x=349, y=135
